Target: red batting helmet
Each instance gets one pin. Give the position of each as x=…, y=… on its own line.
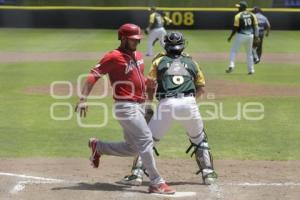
x=131, y=31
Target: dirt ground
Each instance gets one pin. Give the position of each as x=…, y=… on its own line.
x=238, y=180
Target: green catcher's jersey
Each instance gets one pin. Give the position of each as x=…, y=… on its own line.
x=175, y=76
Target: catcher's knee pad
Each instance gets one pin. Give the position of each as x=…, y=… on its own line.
x=203, y=155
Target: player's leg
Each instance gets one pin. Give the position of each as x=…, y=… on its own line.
x=151, y=39
x=259, y=48
x=162, y=34
x=141, y=137
x=254, y=53
x=159, y=124
x=195, y=130
x=136, y=176
x=162, y=119
x=248, y=46
x=233, y=51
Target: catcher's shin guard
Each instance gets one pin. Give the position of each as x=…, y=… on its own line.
x=204, y=160
x=137, y=167
x=137, y=173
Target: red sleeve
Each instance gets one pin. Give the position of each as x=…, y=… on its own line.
x=104, y=66
x=92, y=79
x=140, y=61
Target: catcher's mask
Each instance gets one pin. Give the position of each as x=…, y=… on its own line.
x=130, y=31
x=174, y=43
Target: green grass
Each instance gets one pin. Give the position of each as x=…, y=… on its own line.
x=276, y=137
x=266, y=73
x=26, y=128
x=78, y=40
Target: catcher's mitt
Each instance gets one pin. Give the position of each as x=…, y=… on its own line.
x=148, y=113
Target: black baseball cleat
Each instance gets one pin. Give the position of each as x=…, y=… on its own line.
x=250, y=73
x=229, y=70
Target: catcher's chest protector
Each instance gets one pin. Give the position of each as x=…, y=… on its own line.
x=177, y=68
x=175, y=76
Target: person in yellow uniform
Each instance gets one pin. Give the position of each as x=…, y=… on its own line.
x=246, y=27
x=156, y=29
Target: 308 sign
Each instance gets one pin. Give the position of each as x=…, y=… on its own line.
x=181, y=18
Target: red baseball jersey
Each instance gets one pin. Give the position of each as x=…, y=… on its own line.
x=126, y=73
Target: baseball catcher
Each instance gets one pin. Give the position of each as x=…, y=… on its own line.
x=179, y=81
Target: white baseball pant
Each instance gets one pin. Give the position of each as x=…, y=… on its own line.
x=247, y=42
x=157, y=33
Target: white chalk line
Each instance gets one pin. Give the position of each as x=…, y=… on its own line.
x=21, y=185
x=34, y=180
x=29, y=177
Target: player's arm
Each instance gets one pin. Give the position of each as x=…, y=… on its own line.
x=151, y=82
x=167, y=20
x=268, y=27
x=199, y=81
x=235, y=27
x=255, y=25
x=256, y=29
x=88, y=85
x=100, y=69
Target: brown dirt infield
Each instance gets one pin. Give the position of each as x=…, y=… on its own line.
x=238, y=180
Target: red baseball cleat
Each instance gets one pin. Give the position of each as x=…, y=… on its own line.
x=95, y=156
x=161, y=188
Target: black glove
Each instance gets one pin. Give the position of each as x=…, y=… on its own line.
x=148, y=113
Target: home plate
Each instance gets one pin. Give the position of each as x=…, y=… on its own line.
x=177, y=194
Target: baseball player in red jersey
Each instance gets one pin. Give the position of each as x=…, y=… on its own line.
x=125, y=68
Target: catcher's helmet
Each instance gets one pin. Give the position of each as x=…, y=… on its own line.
x=131, y=31
x=174, y=43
